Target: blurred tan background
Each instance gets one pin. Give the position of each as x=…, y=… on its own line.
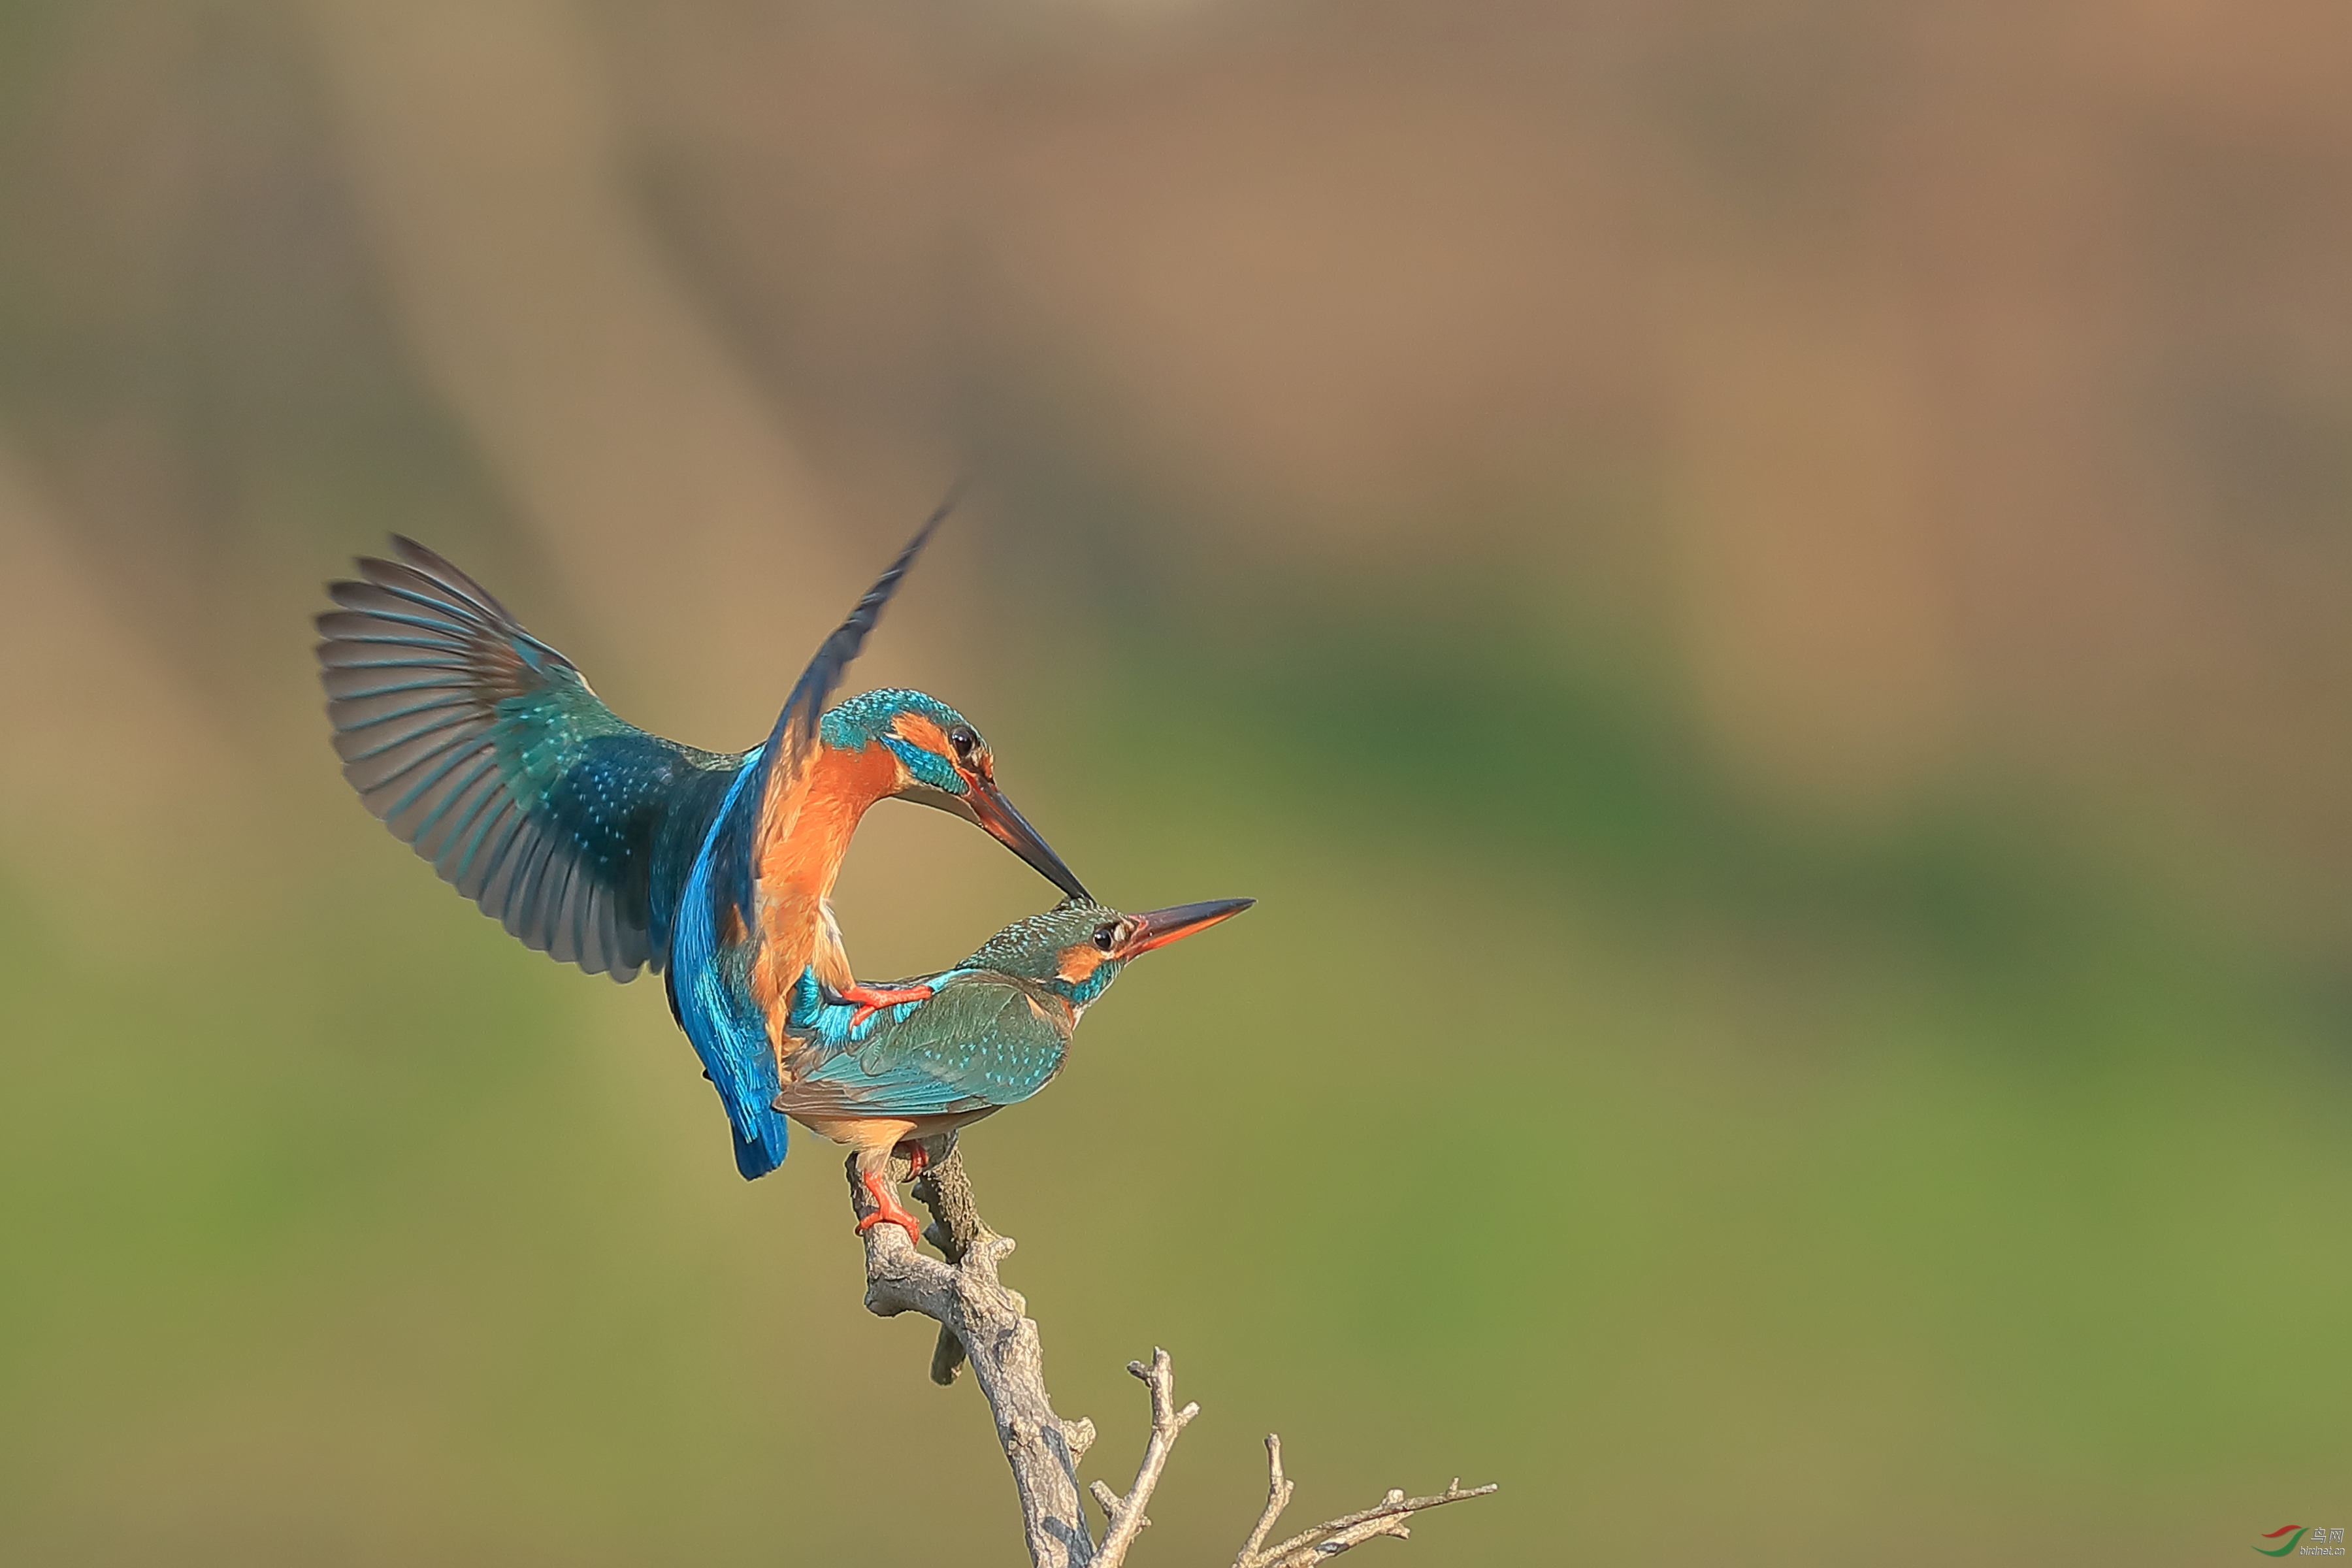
x=1757, y=589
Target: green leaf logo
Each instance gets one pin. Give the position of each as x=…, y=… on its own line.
x=2282, y=1550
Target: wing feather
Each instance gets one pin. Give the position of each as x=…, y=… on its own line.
x=462, y=834
x=786, y=939
x=522, y=911
x=484, y=749
x=496, y=868
x=430, y=811
x=977, y=1043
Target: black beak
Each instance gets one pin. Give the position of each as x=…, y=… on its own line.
x=1013, y=830
x=1158, y=928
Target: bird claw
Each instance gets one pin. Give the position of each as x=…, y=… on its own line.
x=902, y=1219
x=888, y=1210
x=871, y=999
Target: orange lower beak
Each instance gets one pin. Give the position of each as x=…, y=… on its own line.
x=1158, y=928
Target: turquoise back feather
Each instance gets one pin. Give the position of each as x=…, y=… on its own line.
x=995, y=1031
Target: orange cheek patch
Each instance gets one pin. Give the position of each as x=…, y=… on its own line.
x=1079, y=963
x=920, y=732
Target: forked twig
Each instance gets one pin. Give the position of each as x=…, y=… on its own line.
x=1334, y=1536
x=1124, y=1516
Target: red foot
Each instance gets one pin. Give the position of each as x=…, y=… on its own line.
x=871, y=999
x=889, y=1211
x=918, y=1159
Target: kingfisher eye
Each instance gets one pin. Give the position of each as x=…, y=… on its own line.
x=965, y=742
x=1106, y=935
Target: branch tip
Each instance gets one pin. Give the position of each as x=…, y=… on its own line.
x=1125, y=1514
x=1332, y=1537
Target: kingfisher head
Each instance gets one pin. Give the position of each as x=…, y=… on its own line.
x=943, y=762
x=1076, y=947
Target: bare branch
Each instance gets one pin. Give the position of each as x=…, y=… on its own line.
x=1125, y=1514
x=1007, y=1360
x=1332, y=1537
x=985, y=1324
x=1278, y=1490
x=955, y=1229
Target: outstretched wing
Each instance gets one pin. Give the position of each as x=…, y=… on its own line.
x=980, y=1042
x=484, y=749
x=760, y=824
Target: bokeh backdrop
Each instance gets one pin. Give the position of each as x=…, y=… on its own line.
x=1755, y=586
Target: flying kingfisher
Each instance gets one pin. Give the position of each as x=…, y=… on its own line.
x=987, y=1034
x=604, y=846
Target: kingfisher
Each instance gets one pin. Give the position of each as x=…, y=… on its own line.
x=608, y=846
x=987, y=1034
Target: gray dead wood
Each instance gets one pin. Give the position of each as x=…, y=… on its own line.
x=1333, y=1536
x=986, y=1325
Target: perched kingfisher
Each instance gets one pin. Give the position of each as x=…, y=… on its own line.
x=987, y=1034
x=610, y=847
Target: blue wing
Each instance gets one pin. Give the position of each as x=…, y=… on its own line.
x=979, y=1042
x=779, y=767
x=484, y=749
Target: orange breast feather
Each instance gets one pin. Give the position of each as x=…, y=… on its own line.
x=805, y=826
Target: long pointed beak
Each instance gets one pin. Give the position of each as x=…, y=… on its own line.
x=1158, y=928
x=996, y=814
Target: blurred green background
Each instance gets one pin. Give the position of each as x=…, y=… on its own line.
x=1756, y=590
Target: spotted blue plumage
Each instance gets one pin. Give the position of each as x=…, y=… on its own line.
x=484, y=749
x=977, y=1046
x=995, y=1030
